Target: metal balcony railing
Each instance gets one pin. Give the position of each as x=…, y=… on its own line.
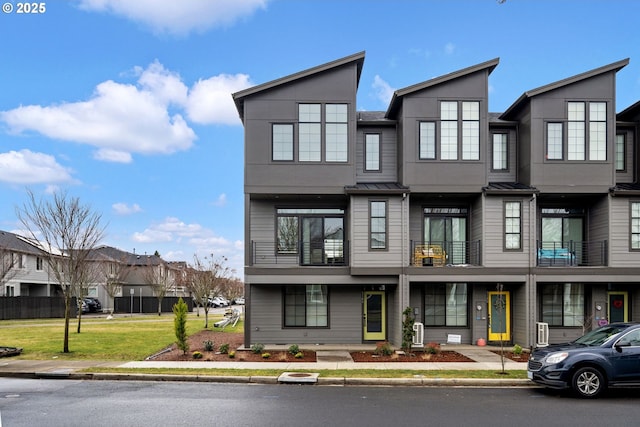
x=328, y=252
x=440, y=254
x=572, y=253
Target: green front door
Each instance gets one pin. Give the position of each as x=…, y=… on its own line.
x=374, y=316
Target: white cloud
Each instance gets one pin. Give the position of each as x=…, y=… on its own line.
x=124, y=119
x=124, y=209
x=27, y=167
x=177, y=17
x=118, y=118
x=384, y=92
x=210, y=100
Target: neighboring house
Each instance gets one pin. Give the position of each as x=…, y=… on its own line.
x=485, y=224
x=25, y=272
x=23, y=269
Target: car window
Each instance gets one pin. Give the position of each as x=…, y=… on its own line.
x=600, y=335
x=630, y=339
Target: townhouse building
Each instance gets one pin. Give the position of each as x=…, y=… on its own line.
x=486, y=224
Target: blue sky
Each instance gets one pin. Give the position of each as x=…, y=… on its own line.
x=127, y=104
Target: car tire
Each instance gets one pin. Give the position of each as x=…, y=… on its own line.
x=588, y=382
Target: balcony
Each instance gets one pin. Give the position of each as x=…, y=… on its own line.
x=572, y=254
x=441, y=254
x=328, y=252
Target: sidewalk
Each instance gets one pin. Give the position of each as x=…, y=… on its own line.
x=327, y=359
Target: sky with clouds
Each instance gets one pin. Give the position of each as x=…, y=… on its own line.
x=127, y=104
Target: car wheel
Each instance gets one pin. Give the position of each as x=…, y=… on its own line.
x=588, y=382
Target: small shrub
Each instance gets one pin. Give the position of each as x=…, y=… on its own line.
x=224, y=348
x=208, y=345
x=294, y=349
x=196, y=355
x=232, y=354
x=266, y=355
x=383, y=349
x=299, y=355
x=517, y=350
x=432, y=348
x=257, y=348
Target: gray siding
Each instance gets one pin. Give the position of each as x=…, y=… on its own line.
x=388, y=155
x=509, y=175
x=494, y=254
x=361, y=255
x=619, y=243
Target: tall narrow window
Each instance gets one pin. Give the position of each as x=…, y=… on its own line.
x=38, y=263
x=500, y=152
x=621, y=152
x=575, y=131
x=597, y=131
x=470, y=131
x=512, y=225
x=378, y=224
x=282, y=136
x=449, y=130
x=372, y=152
x=306, y=306
x=309, y=149
x=635, y=225
x=336, y=133
x=427, y=140
x=554, y=141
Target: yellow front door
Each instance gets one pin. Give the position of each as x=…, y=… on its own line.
x=374, y=316
x=499, y=316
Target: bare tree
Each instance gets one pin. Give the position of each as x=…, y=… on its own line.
x=67, y=231
x=114, y=273
x=88, y=274
x=207, y=278
x=159, y=277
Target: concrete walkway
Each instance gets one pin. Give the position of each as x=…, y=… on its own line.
x=327, y=359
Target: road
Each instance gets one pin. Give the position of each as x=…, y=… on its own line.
x=72, y=403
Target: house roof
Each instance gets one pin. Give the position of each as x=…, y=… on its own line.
x=629, y=113
x=374, y=118
x=508, y=187
x=396, y=100
x=16, y=243
x=239, y=97
x=376, y=188
x=110, y=253
x=525, y=97
x=626, y=189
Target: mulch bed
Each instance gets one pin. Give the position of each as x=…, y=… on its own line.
x=443, y=356
x=236, y=340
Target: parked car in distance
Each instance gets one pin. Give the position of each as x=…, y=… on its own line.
x=605, y=357
x=220, y=302
x=239, y=301
x=93, y=305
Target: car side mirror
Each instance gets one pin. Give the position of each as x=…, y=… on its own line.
x=618, y=346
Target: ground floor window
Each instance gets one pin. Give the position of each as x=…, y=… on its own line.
x=306, y=306
x=563, y=304
x=445, y=304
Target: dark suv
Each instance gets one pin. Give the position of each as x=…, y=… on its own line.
x=607, y=356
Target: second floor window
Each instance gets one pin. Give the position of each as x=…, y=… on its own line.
x=38, y=263
x=282, y=142
x=336, y=132
x=635, y=225
x=309, y=125
x=512, y=226
x=621, y=152
x=500, y=152
x=378, y=224
x=372, y=152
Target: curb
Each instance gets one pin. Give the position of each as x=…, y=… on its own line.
x=324, y=381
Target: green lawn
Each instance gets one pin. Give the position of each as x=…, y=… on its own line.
x=122, y=338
